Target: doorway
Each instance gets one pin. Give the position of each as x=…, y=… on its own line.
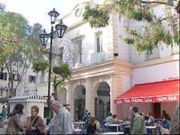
x=157, y=110
x=79, y=102
x=102, y=101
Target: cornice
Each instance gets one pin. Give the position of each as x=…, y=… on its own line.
x=76, y=25
x=158, y=61
x=109, y=67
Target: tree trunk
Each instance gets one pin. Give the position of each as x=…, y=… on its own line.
x=56, y=83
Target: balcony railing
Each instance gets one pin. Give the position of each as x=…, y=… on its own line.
x=99, y=57
x=153, y=55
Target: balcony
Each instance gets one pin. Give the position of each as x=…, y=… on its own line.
x=99, y=57
x=153, y=55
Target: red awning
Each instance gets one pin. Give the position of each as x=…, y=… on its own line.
x=165, y=91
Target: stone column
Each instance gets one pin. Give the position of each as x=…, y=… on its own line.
x=115, y=85
x=70, y=98
x=89, y=97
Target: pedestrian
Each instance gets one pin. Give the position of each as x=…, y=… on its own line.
x=16, y=121
x=175, y=125
x=165, y=115
x=165, y=125
x=35, y=124
x=68, y=107
x=92, y=126
x=137, y=125
x=61, y=123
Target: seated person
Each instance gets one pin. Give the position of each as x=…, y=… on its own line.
x=109, y=119
x=151, y=120
x=92, y=126
x=115, y=119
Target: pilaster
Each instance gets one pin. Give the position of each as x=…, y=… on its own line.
x=89, y=96
x=115, y=86
x=70, y=98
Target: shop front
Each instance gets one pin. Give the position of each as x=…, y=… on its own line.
x=150, y=98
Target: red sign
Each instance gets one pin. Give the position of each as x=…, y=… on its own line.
x=148, y=99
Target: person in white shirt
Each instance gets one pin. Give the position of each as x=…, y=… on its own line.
x=110, y=119
x=151, y=120
x=61, y=123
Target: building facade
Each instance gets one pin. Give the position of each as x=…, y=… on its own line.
x=104, y=66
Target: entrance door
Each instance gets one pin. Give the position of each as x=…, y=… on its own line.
x=99, y=109
x=102, y=101
x=157, y=110
x=79, y=109
x=79, y=102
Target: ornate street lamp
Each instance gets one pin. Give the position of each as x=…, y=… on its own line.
x=44, y=38
x=60, y=29
x=53, y=14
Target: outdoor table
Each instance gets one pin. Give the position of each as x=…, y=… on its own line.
x=113, y=125
x=77, y=130
x=112, y=133
x=79, y=122
x=79, y=125
x=151, y=129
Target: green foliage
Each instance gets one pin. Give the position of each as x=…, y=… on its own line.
x=63, y=70
x=17, y=37
x=129, y=40
x=18, y=45
x=145, y=41
x=177, y=38
x=40, y=65
x=97, y=17
x=155, y=28
x=14, y=23
x=139, y=15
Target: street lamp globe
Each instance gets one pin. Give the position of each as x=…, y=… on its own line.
x=53, y=15
x=44, y=38
x=61, y=28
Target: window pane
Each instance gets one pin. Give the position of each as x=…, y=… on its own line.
x=99, y=42
x=77, y=43
x=98, y=45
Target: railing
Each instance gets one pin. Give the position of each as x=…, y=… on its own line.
x=99, y=57
x=153, y=55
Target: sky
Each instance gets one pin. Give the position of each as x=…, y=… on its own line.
x=36, y=11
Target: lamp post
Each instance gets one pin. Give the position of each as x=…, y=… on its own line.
x=59, y=30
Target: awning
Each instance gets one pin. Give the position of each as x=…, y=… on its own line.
x=164, y=91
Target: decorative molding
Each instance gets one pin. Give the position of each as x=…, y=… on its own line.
x=158, y=61
x=106, y=68
x=78, y=37
x=76, y=25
